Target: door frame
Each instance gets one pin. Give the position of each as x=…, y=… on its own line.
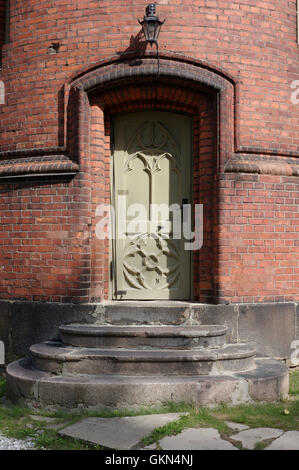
x=112, y=242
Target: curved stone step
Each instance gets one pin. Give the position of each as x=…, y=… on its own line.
x=26, y=385
x=162, y=337
x=57, y=358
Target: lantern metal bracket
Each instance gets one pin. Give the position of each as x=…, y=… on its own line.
x=151, y=26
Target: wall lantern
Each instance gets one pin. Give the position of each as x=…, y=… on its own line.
x=151, y=25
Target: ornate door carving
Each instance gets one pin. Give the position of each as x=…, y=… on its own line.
x=152, y=159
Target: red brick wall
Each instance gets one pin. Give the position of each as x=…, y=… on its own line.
x=2, y=25
x=44, y=247
x=254, y=42
x=258, y=238
x=47, y=240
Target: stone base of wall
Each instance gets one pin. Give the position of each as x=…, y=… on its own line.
x=273, y=326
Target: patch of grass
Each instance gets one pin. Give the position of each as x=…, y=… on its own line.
x=262, y=415
x=262, y=444
x=294, y=383
x=13, y=422
x=16, y=422
x=72, y=417
x=51, y=441
x=2, y=387
x=13, y=412
x=197, y=418
x=283, y=415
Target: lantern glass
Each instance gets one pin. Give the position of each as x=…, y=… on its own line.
x=151, y=25
x=157, y=31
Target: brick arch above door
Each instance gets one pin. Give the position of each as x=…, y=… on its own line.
x=116, y=74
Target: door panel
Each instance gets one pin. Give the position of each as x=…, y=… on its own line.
x=152, y=164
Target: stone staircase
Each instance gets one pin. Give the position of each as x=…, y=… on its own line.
x=133, y=365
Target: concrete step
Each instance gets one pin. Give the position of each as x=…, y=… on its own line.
x=26, y=385
x=146, y=312
x=57, y=358
x=162, y=337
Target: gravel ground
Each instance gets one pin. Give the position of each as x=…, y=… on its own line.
x=15, y=444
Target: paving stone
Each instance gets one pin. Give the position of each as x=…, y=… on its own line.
x=196, y=439
x=118, y=433
x=250, y=437
x=236, y=426
x=55, y=427
x=45, y=419
x=150, y=447
x=51, y=423
x=288, y=441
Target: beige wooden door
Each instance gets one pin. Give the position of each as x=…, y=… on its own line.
x=151, y=168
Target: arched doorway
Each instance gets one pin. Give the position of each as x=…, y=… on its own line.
x=98, y=97
x=185, y=120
